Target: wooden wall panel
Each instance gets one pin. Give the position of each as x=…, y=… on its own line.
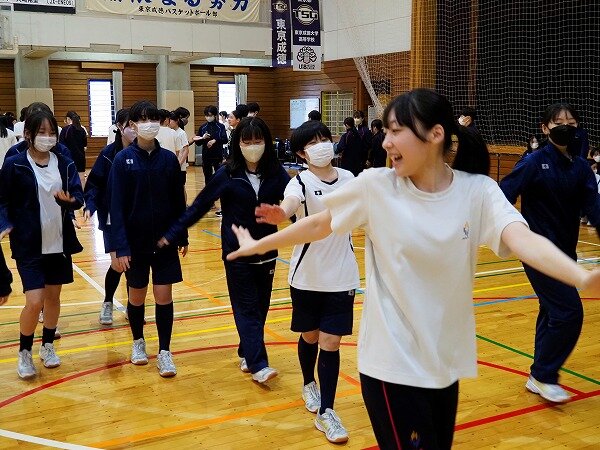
x=7, y=87
x=205, y=86
x=70, y=86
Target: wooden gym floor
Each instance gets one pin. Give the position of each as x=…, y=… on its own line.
x=96, y=398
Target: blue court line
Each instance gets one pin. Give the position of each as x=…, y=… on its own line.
x=505, y=300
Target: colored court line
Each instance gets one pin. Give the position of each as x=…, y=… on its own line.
x=41, y=441
x=498, y=288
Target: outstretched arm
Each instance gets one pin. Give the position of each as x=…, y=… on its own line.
x=543, y=255
x=308, y=229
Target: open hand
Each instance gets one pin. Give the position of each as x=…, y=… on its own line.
x=248, y=245
x=272, y=214
x=64, y=196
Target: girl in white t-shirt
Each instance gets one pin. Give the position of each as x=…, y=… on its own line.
x=417, y=333
x=323, y=275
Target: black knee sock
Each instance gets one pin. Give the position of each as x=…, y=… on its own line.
x=25, y=342
x=328, y=369
x=111, y=283
x=48, y=335
x=136, y=320
x=164, y=325
x=307, y=355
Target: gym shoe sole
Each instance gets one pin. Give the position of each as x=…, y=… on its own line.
x=264, y=375
x=536, y=387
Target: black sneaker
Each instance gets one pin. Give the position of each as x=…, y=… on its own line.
x=219, y=213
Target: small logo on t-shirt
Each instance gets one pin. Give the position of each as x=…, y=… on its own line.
x=129, y=161
x=351, y=292
x=318, y=193
x=545, y=166
x=271, y=272
x=466, y=230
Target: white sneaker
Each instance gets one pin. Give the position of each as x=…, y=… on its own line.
x=25, y=366
x=165, y=364
x=330, y=424
x=138, y=352
x=311, y=396
x=48, y=356
x=106, y=314
x=551, y=392
x=41, y=317
x=265, y=374
x=244, y=365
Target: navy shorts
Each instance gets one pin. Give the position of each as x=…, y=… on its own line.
x=37, y=272
x=330, y=312
x=164, y=263
x=107, y=245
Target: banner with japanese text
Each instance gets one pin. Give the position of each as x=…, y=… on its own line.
x=281, y=33
x=46, y=6
x=306, y=35
x=219, y=10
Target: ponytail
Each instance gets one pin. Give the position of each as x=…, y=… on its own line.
x=75, y=119
x=472, y=153
x=3, y=127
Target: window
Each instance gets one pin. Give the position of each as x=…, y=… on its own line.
x=102, y=107
x=337, y=106
x=226, y=96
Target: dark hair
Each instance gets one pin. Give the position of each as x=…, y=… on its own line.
x=237, y=114
x=181, y=113
x=23, y=114
x=74, y=118
x=358, y=113
x=223, y=113
x=35, y=107
x=253, y=128
x=243, y=110
x=306, y=132
x=468, y=111
x=10, y=115
x=377, y=123
x=253, y=107
x=3, y=126
x=211, y=110
x=314, y=115
x=349, y=121
x=164, y=114
x=34, y=121
x=143, y=110
x=421, y=109
x=121, y=118
x=553, y=111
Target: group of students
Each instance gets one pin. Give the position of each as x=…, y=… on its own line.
x=409, y=372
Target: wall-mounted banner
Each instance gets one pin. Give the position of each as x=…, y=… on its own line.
x=46, y=6
x=221, y=10
x=281, y=33
x=306, y=35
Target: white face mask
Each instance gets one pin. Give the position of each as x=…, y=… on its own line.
x=44, y=143
x=129, y=134
x=535, y=145
x=357, y=122
x=462, y=121
x=209, y=118
x=597, y=159
x=253, y=153
x=320, y=154
x=251, y=114
x=147, y=130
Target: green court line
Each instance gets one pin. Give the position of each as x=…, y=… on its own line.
x=527, y=355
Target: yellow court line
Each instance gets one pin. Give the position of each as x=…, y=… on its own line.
x=197, y=424
x=497, y=288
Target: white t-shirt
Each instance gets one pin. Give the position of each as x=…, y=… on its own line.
x=328, y=265
x=18, y=130
x=598, y=181
x=166, y=138
x=418, y=325
x=181, y=141
x=254, y=181
x=6, y=143
x=111, y=134
x=49, y=182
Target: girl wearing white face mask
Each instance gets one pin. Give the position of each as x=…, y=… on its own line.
x=252, y=176
x=323, y=275
x=145, y=196
x=38, y=189
x=96, y=199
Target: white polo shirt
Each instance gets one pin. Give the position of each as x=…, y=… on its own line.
x=328, y=265
x=418, y=325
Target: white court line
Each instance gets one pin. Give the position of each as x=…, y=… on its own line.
x=86, y=277
x=42, y=441
x=589, y=243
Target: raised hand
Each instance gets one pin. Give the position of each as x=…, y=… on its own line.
x=271, y=214
x=248, y=245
